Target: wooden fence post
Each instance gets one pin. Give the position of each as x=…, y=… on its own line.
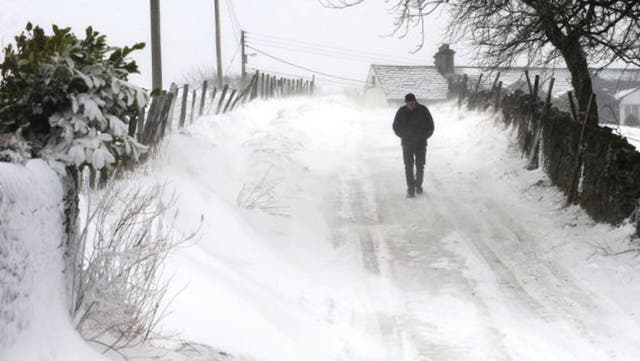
x=572, y=106
x=313, y=83
x=536, y=85
x=222, y=96
x=269, y=85
x=226, y=107
x=152, y=117
x=243, y=94
x=535, y=149
x=254, y=89
x=265, y=86
x=578, y=164
x=495, y=82
x=172, y=108
x=213, y=93
x=526, y=74
x=203, y=97
x=275, y=86
x=478, y=83
x=183, y=108
x=165, y=113
x=193, y=105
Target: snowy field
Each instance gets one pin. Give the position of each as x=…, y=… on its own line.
x=339, y=265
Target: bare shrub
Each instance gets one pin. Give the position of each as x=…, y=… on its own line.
x=117, y=288
x=261, y=195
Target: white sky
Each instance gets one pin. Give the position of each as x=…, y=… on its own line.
x=188, y=32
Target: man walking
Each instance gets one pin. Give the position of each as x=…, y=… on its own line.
x=414, y=125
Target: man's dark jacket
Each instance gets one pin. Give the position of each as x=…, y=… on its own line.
x=413, y=127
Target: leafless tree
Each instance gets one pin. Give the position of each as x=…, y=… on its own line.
x=580, y=32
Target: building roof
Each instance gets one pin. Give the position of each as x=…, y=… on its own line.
x=423, y=81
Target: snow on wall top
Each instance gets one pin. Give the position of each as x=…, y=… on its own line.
x=424, y=81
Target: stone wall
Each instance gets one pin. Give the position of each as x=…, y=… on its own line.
x=609, y=175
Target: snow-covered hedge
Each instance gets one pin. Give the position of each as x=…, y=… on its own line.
x=69, y=98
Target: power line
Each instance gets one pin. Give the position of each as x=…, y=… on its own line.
x=318, y=78
x=234, y=15
x=331, y=54
x=323, y=46
x=234, y=25
x=302, y=67
x=351, y=54
x=235, y=53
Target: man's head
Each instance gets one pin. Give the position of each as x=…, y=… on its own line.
x=410, y=101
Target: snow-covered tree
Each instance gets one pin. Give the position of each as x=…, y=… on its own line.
x=69, y=97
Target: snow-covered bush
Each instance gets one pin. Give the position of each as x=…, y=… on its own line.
x=117, y=292
x=69, y=97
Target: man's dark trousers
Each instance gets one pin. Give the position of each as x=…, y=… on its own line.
x=414, y=154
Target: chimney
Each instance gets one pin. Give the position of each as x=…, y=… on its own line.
x=444, y=59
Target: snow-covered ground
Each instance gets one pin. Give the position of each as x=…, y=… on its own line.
x=487, y=265
x=339, y=265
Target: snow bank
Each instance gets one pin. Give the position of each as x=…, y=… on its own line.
x=33, y=304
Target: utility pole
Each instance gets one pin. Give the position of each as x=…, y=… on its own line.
x=156, y=52
x=218, y=50
x=243, y=58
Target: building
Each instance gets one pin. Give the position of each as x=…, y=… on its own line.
x=387, y=84
x=629, y=100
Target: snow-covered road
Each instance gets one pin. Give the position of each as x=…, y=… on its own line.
x=486, y=265
x=471, y=260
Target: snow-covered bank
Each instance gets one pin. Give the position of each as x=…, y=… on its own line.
x=487, y=265
x=33, y=304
